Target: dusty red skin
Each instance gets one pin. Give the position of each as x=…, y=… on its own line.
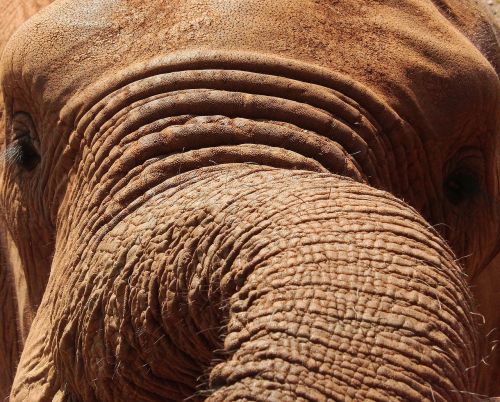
x=177, y=269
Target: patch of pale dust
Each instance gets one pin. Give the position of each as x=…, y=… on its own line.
x=494, y=7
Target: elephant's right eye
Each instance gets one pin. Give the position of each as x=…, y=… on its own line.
x=23, y=154
x=22, y=151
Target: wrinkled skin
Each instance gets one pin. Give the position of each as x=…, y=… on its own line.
x=17, y=310
x=263, y=200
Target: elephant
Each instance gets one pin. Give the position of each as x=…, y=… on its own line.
x=249, y=200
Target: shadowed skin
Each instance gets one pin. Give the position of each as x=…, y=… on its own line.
x=262, y=200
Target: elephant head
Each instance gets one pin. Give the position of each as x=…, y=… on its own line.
x=251, y=200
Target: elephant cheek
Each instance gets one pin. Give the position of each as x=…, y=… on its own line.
x=246, y=282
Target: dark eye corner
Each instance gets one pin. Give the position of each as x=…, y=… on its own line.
x=464, y=177
x=461, y=186
x=22, y=150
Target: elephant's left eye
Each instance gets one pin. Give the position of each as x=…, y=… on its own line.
x=22, y=151
x=464, y=176
x=461, y=186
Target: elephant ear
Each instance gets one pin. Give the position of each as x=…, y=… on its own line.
x=14, y=311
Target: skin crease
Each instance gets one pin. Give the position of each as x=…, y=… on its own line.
x=434, y=65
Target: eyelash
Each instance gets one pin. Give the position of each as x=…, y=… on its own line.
x=23, y=154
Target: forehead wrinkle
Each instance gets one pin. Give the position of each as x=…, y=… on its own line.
x=72, y=44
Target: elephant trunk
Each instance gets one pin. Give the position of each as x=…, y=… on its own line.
x=344, y=291
x=240, y=281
